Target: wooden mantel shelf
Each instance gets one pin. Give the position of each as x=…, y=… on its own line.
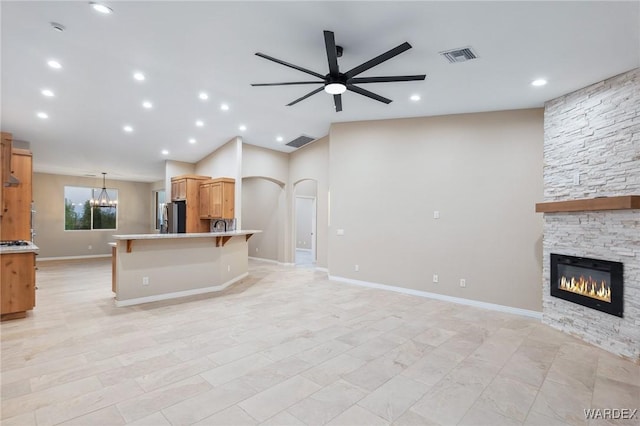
x=625, y=202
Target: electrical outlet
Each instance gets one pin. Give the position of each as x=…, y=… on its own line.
x=435, y=278
x=576, y=178
x=145, y=280
x=463, y=282
x=90, y=247
x=356, y=268
x=436, y=214
x=228, y=268
x=257, y=249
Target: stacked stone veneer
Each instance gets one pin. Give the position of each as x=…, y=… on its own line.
x=595, y=132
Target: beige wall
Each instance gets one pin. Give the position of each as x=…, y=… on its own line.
x=257, y=161
x=312, y=162
x=226, y=161
x=482, y=172
x=263, y=208
x=267, y=170
x=134, y=213
x=223, y=162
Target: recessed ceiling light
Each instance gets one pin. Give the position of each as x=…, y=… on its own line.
x=57, y=27
x=147, y=104
x=242, y=127
x=98, y=7
x=165, y=152
x=42, y=115
x=539, y=82
x=128, y=129
x=54, y=64
x=138, y=76
x=224, y=107
x=199, y=123
x=279, y=138
x=192, y=140
x=415, y=98
x=46, y=92
x=203, y=96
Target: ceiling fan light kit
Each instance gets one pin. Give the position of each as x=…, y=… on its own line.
x=336, y=83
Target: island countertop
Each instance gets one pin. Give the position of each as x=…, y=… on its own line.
x=185, y=235
x=30, y=248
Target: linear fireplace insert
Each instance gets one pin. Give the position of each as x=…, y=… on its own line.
x=593, y=283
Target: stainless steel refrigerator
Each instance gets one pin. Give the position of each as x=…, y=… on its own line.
x=177, y=217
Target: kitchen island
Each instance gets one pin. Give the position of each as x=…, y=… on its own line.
x=152, y=267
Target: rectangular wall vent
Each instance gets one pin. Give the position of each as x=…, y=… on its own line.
x=300, y=141
x=459, y=55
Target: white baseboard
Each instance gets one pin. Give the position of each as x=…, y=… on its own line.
x=92, y=256
x=260, y=259
x=178, y=294
x=458, y=300
x=301, y=249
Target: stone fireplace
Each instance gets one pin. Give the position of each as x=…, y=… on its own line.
x=592, y=165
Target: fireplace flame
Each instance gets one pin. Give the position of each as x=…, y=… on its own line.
x=587, y=287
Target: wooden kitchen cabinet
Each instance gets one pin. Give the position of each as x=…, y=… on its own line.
x=187, y=188
x=5, y=165
x=178, y=189
x=18, y=284
x=217, y=199
x=16, y=199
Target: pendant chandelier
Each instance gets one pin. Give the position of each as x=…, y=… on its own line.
x=103, y=199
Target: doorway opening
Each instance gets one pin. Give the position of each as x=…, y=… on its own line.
x=305, y=223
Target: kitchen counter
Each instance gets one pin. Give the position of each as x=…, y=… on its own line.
x=189, y=235
x=31, y=248
x=153, y=267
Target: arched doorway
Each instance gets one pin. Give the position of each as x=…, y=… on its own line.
x=263, y=206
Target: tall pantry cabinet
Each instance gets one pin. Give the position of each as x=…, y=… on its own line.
x=17, y=268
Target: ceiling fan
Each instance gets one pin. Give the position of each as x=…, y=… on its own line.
x=336, y=83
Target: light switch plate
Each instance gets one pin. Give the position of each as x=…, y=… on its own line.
x=340, y=232
x=436, y=214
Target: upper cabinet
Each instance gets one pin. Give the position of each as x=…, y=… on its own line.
x=217, y=199
x=5, y=157
x=17, y=198
x=187, y=188
x=178, y=189
x=5, y=167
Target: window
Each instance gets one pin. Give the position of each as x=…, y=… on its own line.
x=80, y=215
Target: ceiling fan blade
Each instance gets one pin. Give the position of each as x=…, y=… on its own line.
x=337, y=99
x=386, y=79
x=368, y=94
x=313, y=92
x=332, y=53
x=378, y=60
x=288, y=83
x=286, y=64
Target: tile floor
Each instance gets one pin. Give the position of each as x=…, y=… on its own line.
x=288, y=347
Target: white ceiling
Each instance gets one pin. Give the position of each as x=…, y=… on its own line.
x=187, y=47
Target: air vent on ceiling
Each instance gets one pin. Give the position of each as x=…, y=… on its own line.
x=300, y=141
x=459, y=55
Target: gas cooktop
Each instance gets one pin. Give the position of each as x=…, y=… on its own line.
x=15, y=243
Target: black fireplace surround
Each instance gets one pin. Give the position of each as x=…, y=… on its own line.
x=594, y=283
